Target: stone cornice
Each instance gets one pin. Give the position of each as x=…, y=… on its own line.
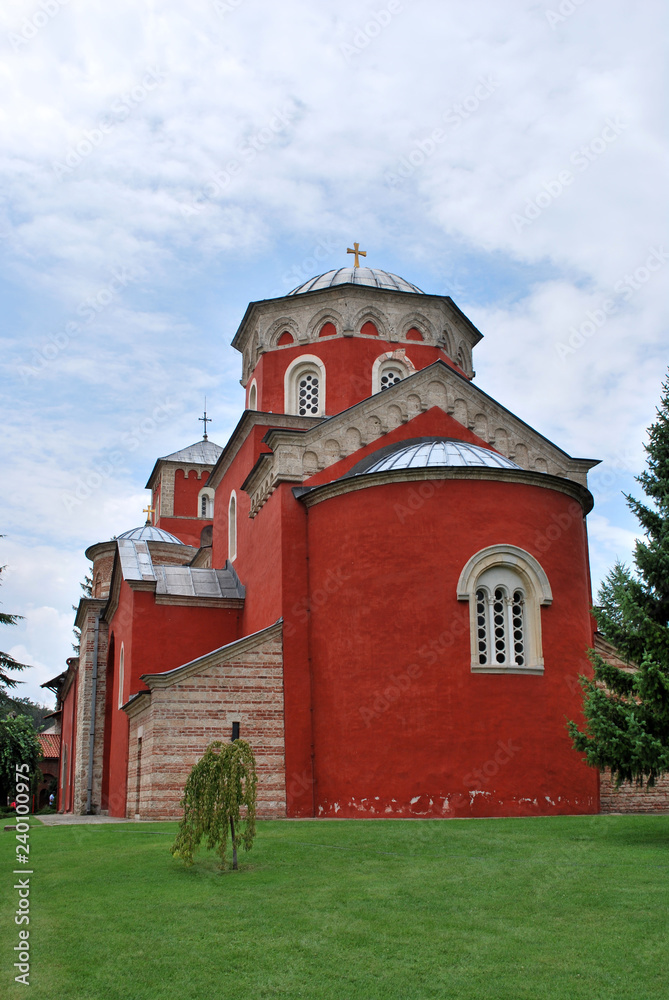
x=317, y=494
x=249, y=420
x=298, y=456
x=137, y=704
x=443, y=324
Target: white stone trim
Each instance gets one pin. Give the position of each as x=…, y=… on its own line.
x=253, y=396
x=511, y=561
x=302, y=363
x=207, y=492
x=232, y=527
x=398, y=357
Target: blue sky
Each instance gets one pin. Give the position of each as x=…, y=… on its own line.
x=164, y=164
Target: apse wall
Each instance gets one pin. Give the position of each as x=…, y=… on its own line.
x=402, y=726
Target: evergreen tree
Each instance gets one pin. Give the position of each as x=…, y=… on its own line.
x=627, y=711
x=7, y=662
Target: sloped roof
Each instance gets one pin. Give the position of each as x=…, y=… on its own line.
x=50, y=743
x=201, y=453
x=176, y=581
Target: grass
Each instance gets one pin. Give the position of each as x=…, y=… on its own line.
x=573, y=908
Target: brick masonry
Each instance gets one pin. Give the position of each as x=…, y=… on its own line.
x=631, y=799
x=242, y=683
x=84, y=698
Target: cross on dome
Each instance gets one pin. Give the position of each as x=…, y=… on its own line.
x=358, y=253
x=205, y=420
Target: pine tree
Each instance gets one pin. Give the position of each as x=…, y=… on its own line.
x=627, y=711
x=8, y=662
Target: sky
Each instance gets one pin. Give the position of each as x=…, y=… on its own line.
x=164, y=163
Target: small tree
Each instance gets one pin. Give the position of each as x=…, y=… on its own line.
x=219, y=785
x=627, y=712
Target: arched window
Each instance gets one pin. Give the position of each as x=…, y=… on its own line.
x=387, y=371
x=305, y=387
x=253, y=396
x=121, y=678
x=232, y=527
x=505, y=587
x=205, y=502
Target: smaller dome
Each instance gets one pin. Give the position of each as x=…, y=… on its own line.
x=149, y=533
x=371, y=277
x=435, y=452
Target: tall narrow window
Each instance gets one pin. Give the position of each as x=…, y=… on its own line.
x=121, y=678
x=253, y=396
x=232, y=528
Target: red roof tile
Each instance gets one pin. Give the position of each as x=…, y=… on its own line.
x=50, y=744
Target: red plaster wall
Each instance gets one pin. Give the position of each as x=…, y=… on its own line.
x=384, y=617
x=348, y=369
x=187, y=530
x=156, y=638
x=186, y=488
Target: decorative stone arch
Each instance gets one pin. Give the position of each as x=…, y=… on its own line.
x=298, y=371
x=322, y=317
x=490, y=581
x=279, y=326
x=388, y=363
x=253, y=395
x=419, y=322
x=370, y=314
x=205, y=503
x=462, y=357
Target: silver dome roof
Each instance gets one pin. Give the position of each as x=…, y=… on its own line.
x=149, y=533
x=439, y=452
x=371, y=277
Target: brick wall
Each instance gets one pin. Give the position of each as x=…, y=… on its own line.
x=630, y=799
x=242, y=683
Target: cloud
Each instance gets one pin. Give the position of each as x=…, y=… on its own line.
x=163, y=166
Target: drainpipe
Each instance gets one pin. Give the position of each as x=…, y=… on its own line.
x=94, y=692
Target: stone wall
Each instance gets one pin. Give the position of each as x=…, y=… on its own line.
x=631, y=799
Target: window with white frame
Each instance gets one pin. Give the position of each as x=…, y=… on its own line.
x=121, y=678
x=506, y=588
x=232, y=527
x=205, y=503
x=253, y=396
x=388, y=370
x=305, y=387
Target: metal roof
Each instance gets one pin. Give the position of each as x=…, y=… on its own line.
x=371, y=277
x=176, y=581
x=149, y=533
x=438, y=452
x=201, y=453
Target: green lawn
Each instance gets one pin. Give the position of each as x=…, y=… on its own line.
x=503, y=909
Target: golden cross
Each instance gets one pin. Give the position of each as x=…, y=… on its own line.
x=149, y=511
x=358, y=253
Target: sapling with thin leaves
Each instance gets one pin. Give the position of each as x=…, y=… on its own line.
x=222, y=784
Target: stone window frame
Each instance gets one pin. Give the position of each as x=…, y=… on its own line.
x=294, y=372
x=121, y=674
x=232, y=527
x=512, y=568
x=208, y=493
x=253, y=395
x=390, y=359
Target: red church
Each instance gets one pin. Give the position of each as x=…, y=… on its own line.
x=381, y=582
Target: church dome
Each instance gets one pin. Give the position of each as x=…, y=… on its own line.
x=370, y=277
x=436, y=452
x=149, y=533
